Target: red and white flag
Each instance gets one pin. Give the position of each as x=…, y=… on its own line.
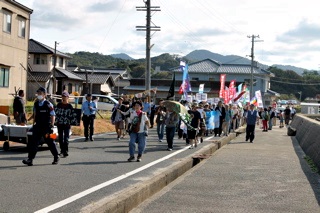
x=222, y=85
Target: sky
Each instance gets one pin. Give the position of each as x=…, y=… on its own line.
x=288, y=30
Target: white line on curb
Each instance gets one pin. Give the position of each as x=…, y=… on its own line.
x=107, y=183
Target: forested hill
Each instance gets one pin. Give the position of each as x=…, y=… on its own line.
x=285, y=81
x=288, y=82
x=136, y=67
x=94, y=60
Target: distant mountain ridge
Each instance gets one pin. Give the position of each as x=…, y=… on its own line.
x=166, y=61
x=198, y=55
x=122, y=56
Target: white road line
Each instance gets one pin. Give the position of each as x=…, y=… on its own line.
x=107, y=183
x=206, y=139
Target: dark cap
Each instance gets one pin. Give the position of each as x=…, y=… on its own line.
x=88, y=95
x=66, y=94
x=194, y=105
x=137, y=102
x=42, y=89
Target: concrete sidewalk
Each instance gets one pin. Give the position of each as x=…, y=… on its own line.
x=269, y=175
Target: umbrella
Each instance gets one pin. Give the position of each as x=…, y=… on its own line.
x=175, y=106
x=181, y=110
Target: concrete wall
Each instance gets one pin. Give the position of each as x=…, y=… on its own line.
x=308, y=136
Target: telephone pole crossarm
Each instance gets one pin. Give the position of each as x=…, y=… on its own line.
x=148, y=28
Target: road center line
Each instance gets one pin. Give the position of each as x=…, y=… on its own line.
x=107, y=183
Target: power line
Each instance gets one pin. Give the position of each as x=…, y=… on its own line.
x=302, y=84
x=222, y=20
x=114, y=20
x=293, y=83
x=90, y=31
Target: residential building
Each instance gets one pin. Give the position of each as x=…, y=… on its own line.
x=43, y=67
x=14, y=38
x=208, y=72
x=102, y=81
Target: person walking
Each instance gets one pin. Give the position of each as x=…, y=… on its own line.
x=88, y=110
x=272, y=114
x=235, y=116
x=146, y=106
x=203, y=127
x=194, y=126
x=127, y=103
x=139, y=121
x=208, y=120
x=63, y=124
x=265, y=119
x=171, y=121
x=43, y=121
x=287, y=114
x=227, y=121
x=252, y=117
x=152, y=113
x=118, y=119
x=281, y=118
x=19, y=112
x=161, y=113
x=222, y=114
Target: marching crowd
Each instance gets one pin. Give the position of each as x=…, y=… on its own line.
x=168, y=123
x=134, y=118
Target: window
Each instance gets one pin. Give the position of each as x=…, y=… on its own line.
x=70, y=88
x=4, y=77
x=52, y=60
x=40, y=59
x=60, y=62
x=22, y=27
x=211, y=79
x=76, y=88
x=7, y=18
x=195, y=79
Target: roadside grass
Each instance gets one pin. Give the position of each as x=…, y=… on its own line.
x=102, y=123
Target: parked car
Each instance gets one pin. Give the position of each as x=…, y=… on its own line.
x=104, y=102
x=293, y=102
x=283, y=102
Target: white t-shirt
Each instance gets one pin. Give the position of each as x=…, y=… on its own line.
x=144, y=118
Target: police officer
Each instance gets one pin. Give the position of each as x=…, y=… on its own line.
x=43, y=120
x=88, y=109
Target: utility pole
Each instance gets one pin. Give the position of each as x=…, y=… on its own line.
x=148, y=28
x=252, y=61
x=54, y=87
x=87, y=83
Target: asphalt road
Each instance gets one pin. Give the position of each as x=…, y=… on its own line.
x=101, y=164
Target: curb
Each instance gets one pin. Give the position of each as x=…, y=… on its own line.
x=129, y=198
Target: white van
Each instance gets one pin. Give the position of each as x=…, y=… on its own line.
x=104, y=102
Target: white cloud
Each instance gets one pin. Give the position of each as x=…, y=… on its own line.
x=289, y=28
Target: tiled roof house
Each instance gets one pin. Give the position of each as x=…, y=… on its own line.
x=208, y=72
x=41, y=69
